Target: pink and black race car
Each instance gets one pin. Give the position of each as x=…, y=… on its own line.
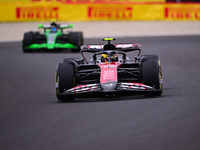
x=109, y=71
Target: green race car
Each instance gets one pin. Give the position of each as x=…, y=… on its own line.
x=53, y=38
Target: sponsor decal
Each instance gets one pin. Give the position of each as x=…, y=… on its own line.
x=45, y=0
x=37, y=13
x=182, y=13
x=83, y=88
x=135, y=86
x=104, y=1
x=110, y=12
x=109, y=71
x=109, y=74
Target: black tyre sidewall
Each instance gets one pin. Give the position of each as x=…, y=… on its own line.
x=27, y=40
x=150, y=72
x=65, y=73
x=76, y=38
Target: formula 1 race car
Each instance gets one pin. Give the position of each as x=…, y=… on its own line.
x=109, y=71
x=53, y=38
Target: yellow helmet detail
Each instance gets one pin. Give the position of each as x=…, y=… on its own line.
x=104, y=55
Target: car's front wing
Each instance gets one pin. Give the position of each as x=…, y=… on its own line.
x=94, y=88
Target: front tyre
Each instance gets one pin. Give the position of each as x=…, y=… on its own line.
x=152, y=74
x=27, y=40
x=64, y=80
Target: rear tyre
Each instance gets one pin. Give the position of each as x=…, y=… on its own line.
x=76, y=38
x=66, y=60
x=64, y=81
x=37, y=33
x=152, y=74
x=27, y=40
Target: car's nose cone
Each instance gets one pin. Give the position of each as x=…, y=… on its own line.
x=109, y=86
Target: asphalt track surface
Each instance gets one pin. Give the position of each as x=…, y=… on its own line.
x=32, y=118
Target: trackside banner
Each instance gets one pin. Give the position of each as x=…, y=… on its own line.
x=88, y=1
x=44, y=11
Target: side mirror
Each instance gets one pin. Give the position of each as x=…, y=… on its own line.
x=70, y=26
x=40, y=26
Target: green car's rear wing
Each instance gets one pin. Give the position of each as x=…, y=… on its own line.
x=62, y=26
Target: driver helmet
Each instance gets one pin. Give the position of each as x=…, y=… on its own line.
x=53, y=29
x=113, y=57
x=104, y=58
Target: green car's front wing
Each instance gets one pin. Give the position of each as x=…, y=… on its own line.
x=52, y=46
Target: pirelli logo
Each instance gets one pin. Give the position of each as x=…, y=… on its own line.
x=110, y=13
x=182, y=13
x=37, y=13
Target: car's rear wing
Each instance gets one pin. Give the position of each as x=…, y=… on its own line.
x=118, y=47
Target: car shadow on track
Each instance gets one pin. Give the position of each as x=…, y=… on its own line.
x=54, y=51
x=109, y=98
